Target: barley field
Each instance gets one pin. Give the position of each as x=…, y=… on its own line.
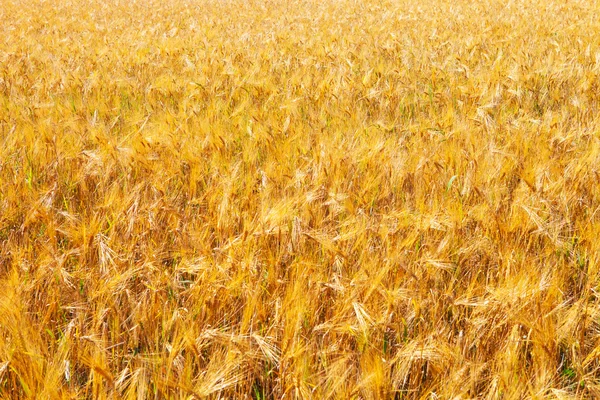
x=299, y=199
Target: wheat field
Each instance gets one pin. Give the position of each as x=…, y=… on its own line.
x=299, y=199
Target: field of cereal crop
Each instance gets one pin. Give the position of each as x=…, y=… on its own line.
x=299, y=199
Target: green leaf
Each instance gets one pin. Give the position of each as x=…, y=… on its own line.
x=450, y=182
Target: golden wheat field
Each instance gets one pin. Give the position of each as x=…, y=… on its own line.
x=299, y=199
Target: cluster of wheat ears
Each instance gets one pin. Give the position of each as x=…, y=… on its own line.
x=264, y=199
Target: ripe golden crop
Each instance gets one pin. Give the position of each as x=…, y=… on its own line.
x=299, y=199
